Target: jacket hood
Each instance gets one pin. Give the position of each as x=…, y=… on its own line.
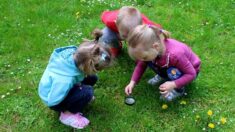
x=62, y=62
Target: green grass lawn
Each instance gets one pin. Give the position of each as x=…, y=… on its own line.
x=31, y=29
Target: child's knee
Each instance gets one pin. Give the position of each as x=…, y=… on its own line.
x=173, y=73
x=94, y=78
x=109, y=37
x=88, y=93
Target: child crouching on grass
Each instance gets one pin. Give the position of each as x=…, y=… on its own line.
x=118, y=24
x=67, y=83
x=175, y=63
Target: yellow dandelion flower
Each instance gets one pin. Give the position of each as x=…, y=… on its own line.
x=211, y=125
x=209, y=113
x=223, y=120
x=78, y=14
x=183, y=102
x=164, y=106
x=197, y=116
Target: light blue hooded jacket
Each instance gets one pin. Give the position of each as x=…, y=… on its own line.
x=59, y=77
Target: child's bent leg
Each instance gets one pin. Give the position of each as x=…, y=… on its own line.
x=156, y=80
x=80, y=99
x=173, y=74
x=70, y=108
x=77, y=98
x=111, y=40
x=160, y=76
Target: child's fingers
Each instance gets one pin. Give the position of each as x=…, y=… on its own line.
x=128, y=91
x=162, y=88
x=163, y=92
x=162, y=85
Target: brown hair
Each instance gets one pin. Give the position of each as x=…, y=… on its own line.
x=83, y=58
x=97, y=33
x=146, y=35
x=128, y=18
x=87, y=56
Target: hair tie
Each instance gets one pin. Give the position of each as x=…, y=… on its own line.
x=150, y=25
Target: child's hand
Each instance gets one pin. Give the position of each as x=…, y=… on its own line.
x=167, y=87
x=129, y=87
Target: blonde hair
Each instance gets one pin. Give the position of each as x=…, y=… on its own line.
x=128, y=18
x=145, y=36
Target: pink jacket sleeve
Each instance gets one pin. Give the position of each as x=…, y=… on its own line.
x=138, y=71
x=189, y=72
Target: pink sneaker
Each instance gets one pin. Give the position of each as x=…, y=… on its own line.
x=74, y=120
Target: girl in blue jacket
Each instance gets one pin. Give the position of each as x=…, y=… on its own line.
x=67, y=83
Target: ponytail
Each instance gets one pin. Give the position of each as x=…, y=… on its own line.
x=159, y=31
x=165, y=33
x=97, y=33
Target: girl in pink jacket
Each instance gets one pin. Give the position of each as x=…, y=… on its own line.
x=174, y=62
